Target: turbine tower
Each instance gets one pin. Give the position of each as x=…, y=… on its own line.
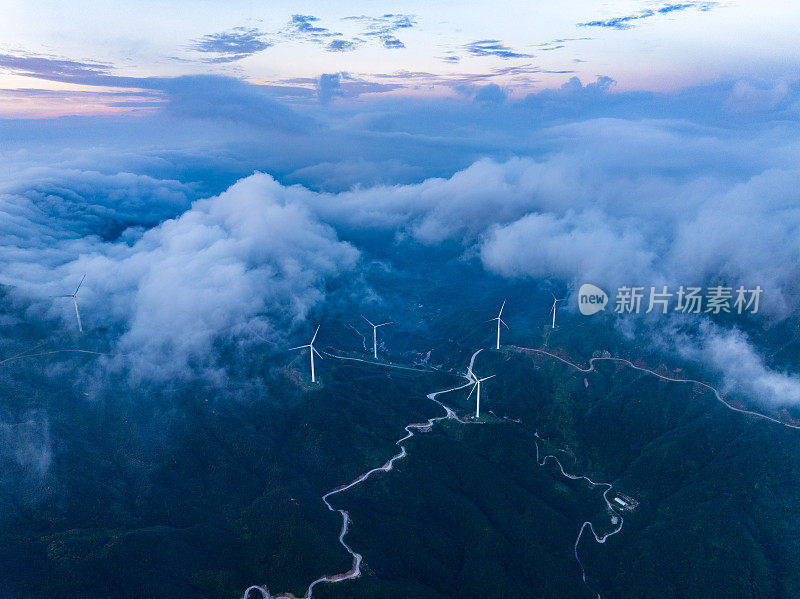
x=553, y=309
x=375, y=335
x=499, y=320
x=74, y=297
x=476, y=384
x=311, y=352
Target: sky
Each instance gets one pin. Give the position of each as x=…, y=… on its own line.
x=212, y=169
x=59, y=59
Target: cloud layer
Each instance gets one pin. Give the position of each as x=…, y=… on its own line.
x=628, y=21
x=233, y=45
x=569, y=185
x=231, y=266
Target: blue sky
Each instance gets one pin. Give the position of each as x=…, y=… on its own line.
x=410, y=48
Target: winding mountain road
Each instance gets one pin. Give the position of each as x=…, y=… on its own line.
x=355, y=571
x=616, y=518
x=613, y=510
x=615, y=514
x=716, y=393
x=449, y=414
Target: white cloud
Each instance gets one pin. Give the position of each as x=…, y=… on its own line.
x=232, y=265
x=576, y=246
x=730, y=353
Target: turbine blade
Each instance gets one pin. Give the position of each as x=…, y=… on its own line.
x=474, y=386
x=384, y=324
x=314, y=338
x=486, y=378
x=504, y=324
x=501, y=309
x=299, y=347
x=79, y=285
x=314, y=349
x=368, y=320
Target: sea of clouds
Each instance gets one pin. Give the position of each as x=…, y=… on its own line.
x=211, y=220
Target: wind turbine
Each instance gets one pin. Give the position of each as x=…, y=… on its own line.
x=312, y=351
x=499, y=320
x=553, y=309
x=74, y=297
x=476, y=384
x=375, y=335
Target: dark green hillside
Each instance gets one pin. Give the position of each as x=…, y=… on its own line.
x=201, y=488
